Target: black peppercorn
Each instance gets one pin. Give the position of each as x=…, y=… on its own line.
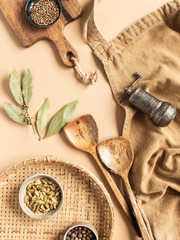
x=80, y=233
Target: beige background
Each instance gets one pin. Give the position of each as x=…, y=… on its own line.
x=52, y=79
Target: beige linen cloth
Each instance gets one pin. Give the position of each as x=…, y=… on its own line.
x=151, y=47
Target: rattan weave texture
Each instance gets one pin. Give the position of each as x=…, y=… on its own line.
x=85, y=200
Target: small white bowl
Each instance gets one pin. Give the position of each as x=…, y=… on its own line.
x=82, y=224
x=27, y=210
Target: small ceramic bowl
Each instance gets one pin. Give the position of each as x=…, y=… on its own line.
x=81, y=224
x=27, y=210
x=30, y=4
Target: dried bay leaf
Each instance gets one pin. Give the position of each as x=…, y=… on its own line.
x=15, y=113
x=27, y=86
x=42, y=117
x=61, y=118
x=15, y=87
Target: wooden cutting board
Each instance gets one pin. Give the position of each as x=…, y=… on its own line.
x=14, y=12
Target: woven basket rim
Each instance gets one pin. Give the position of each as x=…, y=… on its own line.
x=62, y=160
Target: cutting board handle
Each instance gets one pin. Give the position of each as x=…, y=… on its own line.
x=65, y=49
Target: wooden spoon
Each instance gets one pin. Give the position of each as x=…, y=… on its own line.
x=83, y=135
x=117, y=155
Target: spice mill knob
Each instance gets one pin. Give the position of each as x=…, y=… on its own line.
x=161, y=113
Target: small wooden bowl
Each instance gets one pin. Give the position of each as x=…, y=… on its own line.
x=81, y=224
x=30, y=4
x=27, y=210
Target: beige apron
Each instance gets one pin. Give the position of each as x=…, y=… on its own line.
x=151, y=47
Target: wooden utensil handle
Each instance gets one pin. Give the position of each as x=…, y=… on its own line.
x=115, y=189
x=139, y=218
x=65, y=49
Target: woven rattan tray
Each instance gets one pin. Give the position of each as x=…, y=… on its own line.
x=85, y=199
